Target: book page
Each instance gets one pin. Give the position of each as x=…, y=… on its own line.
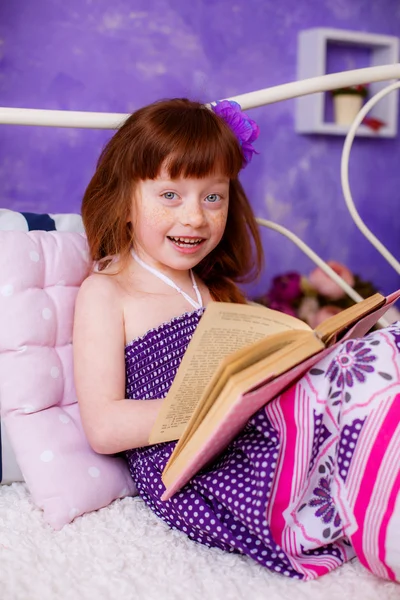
x=234, y=364
x=223, y=329
x=204, y=441
x=328, y=329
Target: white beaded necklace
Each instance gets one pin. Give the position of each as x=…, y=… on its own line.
x=171, y=283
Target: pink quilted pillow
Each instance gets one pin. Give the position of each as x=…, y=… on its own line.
x=40, y=273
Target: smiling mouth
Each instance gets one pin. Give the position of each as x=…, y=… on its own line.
x=185, y=242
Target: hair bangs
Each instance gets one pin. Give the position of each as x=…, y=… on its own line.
x=202, y=151
x=189, y=140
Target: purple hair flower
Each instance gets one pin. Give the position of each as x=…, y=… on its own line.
x=245, y=129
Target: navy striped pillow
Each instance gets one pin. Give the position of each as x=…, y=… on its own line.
x=42, y=222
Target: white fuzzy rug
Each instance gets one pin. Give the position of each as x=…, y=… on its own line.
x=124, y=552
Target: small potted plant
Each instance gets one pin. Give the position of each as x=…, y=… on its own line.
x=347, y=102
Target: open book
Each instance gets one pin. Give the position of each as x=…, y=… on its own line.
x=239, y=358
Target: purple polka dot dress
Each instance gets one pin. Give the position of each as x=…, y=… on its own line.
x=291, y=491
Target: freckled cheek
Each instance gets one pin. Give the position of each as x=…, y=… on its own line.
x=218, y=222
x=156, y=216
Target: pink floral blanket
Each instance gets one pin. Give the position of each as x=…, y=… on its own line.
x=337, y=481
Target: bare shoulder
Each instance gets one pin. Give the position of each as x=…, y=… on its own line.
x=99, y=282
x=98, y=303
x=98, y=286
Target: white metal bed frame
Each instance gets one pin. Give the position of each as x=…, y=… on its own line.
x=96, y=120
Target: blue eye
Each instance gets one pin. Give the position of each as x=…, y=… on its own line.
x=169, y=195
x=213, y=197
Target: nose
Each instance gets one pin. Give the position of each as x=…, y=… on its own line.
x=192, y=214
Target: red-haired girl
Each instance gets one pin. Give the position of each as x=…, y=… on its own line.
x=169, y=228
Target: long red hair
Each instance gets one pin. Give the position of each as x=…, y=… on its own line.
x=193, y=142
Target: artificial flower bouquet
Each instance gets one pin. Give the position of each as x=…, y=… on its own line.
x=316, y=297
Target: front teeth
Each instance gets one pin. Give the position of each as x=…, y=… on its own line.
x=186, y=241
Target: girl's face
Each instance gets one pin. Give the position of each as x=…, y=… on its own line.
x=176, y=223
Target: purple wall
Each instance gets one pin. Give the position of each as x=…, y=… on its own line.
x=117, y=56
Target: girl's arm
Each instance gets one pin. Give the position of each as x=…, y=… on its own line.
x=111, y=423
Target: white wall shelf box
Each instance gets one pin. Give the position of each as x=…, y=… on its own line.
x=312, y=59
